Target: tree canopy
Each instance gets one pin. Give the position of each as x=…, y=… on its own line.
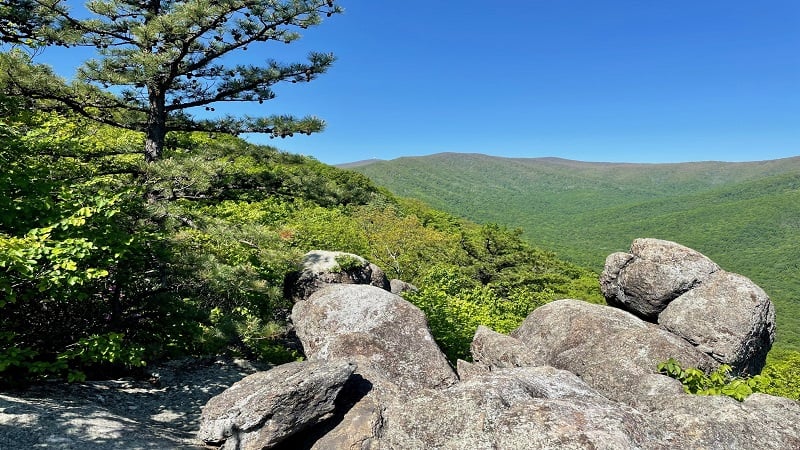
x=159, y=60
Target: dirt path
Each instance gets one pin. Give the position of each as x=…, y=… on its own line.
x=118, y=414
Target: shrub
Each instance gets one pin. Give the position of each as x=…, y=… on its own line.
x=718, y=382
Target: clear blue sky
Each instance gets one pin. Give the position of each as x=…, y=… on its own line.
x=611, y=80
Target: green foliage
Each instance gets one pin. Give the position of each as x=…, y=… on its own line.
x=744, y=216
x=346, y=263
x=455, y=304
x=19, y=363
x=316, y=227
x=151, y=56
x=62, y=237
x=783, y=372
x=718, y=382
x=20, y=23
x=106, y=262
x=107, y=348
x=253, y=337
x=401, y=245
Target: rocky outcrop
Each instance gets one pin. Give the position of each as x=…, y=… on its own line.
x=321, y=268
x=573, y=375
x=727, y=317
x=518, y=408
x=612, y=350
x=265, y=408
x=374, y=328
x=722, y=314
x=654, y=273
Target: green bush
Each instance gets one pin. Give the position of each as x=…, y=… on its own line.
x=456, y=304
x=347, y=263
x=783, y=371
x=718, y=382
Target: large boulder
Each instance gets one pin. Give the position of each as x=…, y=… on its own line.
x=722, y=314
x=654, y=273
x=611, y=350
x=376, y=329
x=265, y=408
x=320, y=268
x=515, y=408
x=728, y=317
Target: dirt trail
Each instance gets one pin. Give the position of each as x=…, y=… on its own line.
x=118, y=414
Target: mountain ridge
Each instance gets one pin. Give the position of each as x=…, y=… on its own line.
x=558, y=159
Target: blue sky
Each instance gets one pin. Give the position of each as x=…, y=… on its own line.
x=612, y=80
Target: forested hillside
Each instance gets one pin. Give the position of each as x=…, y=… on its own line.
x=108, y=262
x=746, y=216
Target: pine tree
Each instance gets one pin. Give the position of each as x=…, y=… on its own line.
x=158, y=59
x=19, y=21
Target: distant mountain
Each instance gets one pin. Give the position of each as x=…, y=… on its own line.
x=358, y=163
x=745, y=216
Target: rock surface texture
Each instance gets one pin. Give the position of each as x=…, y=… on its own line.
x=265, y=408
x=727, y=317
x=654, y=273
x=611, y=350
x=320, y=268
x=722, y=314
x=374, y=328
x=573, y=375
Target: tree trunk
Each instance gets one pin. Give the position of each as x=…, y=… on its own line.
x=156, y=127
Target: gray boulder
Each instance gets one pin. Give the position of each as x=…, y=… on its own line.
x=265, y=408
x=376, y=329
x=517, y=408
x=727, y=317
x=321, y=268
x=761, y=422
x=362, y=410
x=399, y=286
x=611, y=350
x=496, y=350
x=654, y=273
x=722, y=314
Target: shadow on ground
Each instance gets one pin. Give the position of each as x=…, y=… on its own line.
x=118, y=414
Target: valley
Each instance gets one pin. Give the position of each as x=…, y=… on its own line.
x=746, y=215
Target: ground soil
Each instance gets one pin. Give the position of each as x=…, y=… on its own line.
x=159, y=412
